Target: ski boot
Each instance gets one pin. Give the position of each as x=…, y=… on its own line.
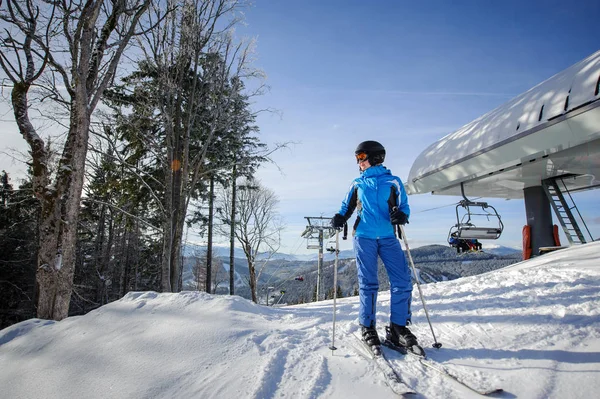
x=403, y=339
x=371, y=338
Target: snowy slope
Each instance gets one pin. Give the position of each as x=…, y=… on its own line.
x=532, y=328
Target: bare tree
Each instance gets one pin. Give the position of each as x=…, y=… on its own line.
x=70, y=51
x=258, y=228
x=200, y=271
x=219, y=275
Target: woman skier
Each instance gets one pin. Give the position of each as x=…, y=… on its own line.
x=381, y=203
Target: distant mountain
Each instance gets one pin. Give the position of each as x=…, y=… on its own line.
x=220, y=250
x=346, y=254
x=501, y=250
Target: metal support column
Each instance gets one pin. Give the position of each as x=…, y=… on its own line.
x=318, y=229
x=320, y=266
x=539, y=218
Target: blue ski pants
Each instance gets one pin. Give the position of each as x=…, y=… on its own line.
x=388, y=249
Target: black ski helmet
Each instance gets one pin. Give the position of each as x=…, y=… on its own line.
x=374, y=150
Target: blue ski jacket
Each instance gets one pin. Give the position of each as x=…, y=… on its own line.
x=372, y=195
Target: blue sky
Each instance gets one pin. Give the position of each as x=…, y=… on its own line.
x=405, y=74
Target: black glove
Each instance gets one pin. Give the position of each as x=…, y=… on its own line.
x=338, y=221
x=398, y=217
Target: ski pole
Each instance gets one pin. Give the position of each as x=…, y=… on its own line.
x=436, y=344
x=335, y=266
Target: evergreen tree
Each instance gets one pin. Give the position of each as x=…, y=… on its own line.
x=19, y=216
x=117, y=246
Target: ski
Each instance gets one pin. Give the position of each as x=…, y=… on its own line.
x=392, y=377
x=443, y=370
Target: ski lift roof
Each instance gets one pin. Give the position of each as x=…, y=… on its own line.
x=550, y=130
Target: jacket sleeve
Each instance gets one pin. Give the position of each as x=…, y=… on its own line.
x=401, y=197
x=349, y=202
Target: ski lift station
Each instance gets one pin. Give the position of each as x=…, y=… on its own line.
x=541, y=146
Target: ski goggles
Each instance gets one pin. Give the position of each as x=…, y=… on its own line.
x=361, y=157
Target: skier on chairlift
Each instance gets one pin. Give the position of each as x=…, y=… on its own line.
x=474, y=245
x=464, y=245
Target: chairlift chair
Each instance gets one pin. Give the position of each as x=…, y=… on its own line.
x=466, y=227
x=330, y=246
x=313, y=243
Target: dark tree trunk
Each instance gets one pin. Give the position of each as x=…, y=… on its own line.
x=211, y=201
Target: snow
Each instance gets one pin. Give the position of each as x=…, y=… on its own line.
x=532, y=328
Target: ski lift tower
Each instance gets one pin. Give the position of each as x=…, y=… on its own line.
x=318, y=229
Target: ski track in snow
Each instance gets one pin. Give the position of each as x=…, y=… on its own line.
x=290, y=359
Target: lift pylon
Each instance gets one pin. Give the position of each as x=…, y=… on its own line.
x=318, y=229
